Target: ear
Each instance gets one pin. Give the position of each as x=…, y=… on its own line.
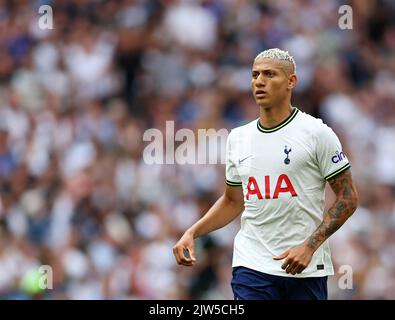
x=292, y=80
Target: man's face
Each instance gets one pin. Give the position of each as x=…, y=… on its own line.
x=272, y=81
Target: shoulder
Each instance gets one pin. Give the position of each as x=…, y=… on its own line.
x=316, y=126
x=242, y=131
x=311, y=122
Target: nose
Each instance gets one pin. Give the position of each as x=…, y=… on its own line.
x=259, y=82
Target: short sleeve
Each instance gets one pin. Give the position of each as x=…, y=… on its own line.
x=330, y=155
x=232, y=177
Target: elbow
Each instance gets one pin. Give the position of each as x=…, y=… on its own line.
x=234, y=202
x=354, y=202
x=354, y=206
x=237, y=203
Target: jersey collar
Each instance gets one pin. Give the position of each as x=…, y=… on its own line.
x=280, y=125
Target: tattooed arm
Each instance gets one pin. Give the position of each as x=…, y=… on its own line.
x=299, y=257
x=344, y=206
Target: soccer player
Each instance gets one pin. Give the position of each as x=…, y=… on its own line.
x=276, y=170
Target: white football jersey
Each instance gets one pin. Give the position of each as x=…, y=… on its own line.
x=283, y=172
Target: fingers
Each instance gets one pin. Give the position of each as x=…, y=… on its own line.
x=286, y=263
x=184, y=256
x=180, y=256
x=177, y=251
x=289, y=265
x=282, y=256
x=191, y=251
x=293, y=267
x=296, y=259
x=300, y=268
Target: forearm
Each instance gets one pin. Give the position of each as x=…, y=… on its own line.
x=336, y=216
x=344, y=206
x=220, y=214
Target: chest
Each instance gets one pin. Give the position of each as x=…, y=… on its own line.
x=266, y=155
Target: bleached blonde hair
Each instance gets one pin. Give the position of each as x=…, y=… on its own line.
x=277, y=54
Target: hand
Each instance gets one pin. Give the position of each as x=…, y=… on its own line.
x=297, y=258
x=185, y=245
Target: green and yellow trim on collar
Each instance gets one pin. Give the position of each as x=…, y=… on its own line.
x=279, y=126
x=233, y=184
x=333, y=174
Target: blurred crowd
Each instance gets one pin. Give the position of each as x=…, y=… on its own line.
x=76, y=100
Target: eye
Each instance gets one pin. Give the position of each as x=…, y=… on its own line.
x=255, y=75
x=269, y=74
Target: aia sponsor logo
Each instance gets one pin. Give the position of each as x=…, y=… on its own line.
x=282, y=185
x=339, y=156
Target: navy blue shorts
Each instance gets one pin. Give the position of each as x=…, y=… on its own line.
x=248, y=284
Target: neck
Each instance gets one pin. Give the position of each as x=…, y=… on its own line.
x=271, y=117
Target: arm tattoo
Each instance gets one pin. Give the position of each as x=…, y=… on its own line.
x=341, y=210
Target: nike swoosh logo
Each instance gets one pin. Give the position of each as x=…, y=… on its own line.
x=241, y=160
